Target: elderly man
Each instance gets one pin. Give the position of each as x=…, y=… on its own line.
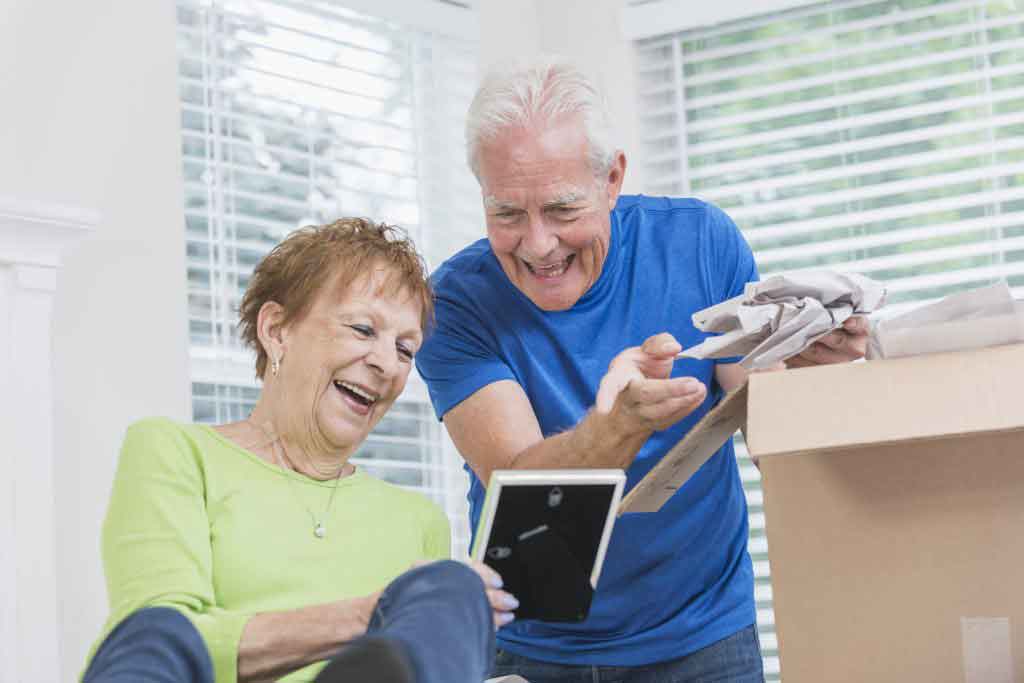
x=555, y=347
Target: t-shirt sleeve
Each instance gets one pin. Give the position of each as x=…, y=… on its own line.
x=458, y=358
x=727, y=260
x=156, y=540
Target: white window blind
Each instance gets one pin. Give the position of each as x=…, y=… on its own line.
x=884, y=137
x=300, y=112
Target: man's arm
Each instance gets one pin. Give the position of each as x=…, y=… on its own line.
x=496, y=428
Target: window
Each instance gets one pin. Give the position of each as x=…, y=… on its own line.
x=298, y=112
x=884, y=137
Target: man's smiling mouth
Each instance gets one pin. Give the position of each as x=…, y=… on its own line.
x=552, y=270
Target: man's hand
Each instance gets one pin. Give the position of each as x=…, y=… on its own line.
x=639, y=394
x=846, y=344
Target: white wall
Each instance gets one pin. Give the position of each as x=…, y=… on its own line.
x=90, y=118
x=587, y=31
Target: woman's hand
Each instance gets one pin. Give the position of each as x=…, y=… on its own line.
x=503, y=604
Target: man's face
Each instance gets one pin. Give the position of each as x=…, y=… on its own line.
x=547, y=213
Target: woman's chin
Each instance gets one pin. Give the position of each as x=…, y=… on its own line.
x=342, y=435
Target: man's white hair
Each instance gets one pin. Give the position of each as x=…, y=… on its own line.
x=523, y=92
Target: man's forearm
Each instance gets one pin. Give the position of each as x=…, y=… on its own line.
x=596, y=442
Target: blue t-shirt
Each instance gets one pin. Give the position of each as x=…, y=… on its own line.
x=673, y=581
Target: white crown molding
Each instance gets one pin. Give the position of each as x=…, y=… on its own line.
x=34, y=233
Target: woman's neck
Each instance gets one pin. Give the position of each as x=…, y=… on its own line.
x=300, y=453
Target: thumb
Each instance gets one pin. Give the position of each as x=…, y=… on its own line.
x=611, y=386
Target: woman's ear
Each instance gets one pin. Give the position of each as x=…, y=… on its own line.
x=270, y=330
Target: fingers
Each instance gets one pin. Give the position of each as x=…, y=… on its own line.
x=653, y=391
x=654, y=404
x=611, y=386
x=503, y=604
x=843, y=345
x=661, y=346
x=491, y=578
x=857, y=325
x=654, y=358
x=774, y=367
x=821, y=353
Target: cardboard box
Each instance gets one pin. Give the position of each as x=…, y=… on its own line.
x=894, y=504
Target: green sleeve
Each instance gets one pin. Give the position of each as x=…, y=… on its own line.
x=156, y=539
x=438, y=538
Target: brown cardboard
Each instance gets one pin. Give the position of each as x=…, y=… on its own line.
x=894, y=504
x=686, y=457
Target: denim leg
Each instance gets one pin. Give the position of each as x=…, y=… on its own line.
x=153, y=645
x=441, y=614
x=506, y=664
x=735, y=659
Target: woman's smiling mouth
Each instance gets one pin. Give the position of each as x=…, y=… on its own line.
x=359, y=398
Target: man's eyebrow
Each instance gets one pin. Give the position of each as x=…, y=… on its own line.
x=492, y=202
x=570, y=197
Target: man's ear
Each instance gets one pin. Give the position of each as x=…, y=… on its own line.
x=616, y=174
x=270, y=329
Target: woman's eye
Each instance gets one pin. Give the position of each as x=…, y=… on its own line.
x=363, y=330
x=405, y=352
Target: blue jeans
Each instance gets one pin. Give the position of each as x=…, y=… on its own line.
x=437, y=616
x=736, y=659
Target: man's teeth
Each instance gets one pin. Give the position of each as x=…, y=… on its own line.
x=553, y=270
x=368, y=397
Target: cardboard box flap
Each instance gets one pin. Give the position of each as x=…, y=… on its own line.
x=687, y=456
x=857, y=404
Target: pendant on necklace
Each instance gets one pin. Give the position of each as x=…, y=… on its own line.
x=319, y=531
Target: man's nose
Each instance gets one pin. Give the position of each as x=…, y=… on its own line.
x=539, y=240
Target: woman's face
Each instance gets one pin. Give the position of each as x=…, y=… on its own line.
x=346, y=361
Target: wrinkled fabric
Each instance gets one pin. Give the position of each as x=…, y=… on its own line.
x=780, y=317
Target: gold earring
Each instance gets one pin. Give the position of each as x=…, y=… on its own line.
x=275, y=365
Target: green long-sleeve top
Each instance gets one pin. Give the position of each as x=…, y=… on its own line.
x=198, y=523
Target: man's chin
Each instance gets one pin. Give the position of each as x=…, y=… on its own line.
x=552, y=301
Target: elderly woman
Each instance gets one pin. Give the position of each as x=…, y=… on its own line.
x=263, y=533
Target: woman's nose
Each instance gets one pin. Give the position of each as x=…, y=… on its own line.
x=383, y=357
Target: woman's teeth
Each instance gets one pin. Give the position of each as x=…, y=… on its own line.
x=360, y=395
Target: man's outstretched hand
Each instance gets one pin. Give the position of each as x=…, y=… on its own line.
x=638, y=393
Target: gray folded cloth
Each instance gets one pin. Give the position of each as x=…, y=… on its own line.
x=779, y=317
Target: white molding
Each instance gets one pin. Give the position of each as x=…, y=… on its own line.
x=661, y=17
x=33, y=235
x=36, y=233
